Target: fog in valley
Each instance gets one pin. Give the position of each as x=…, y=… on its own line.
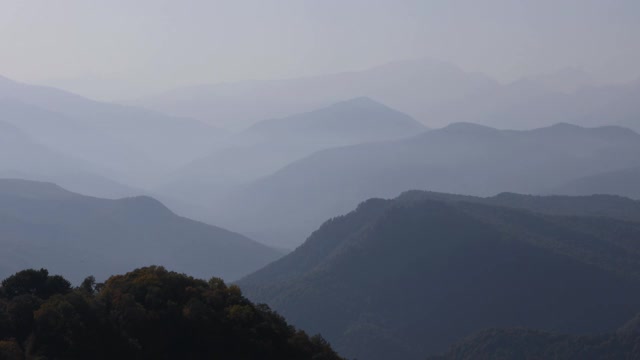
x=408, y=179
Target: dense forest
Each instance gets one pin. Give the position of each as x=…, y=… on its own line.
x=149, y=313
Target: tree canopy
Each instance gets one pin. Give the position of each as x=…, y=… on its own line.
x=149, y=313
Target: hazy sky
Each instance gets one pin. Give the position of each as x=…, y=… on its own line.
x=157, y=44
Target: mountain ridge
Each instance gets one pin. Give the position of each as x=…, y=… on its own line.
x=460, y=266
x=45, y=225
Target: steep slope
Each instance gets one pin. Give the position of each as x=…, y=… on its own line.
x=271, y=144
x=404, y=279
x=461, y=158
x=412, y=87
x=42, y=225
x=128, y=144
x=621, y=182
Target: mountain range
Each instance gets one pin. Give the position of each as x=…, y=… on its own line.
x=411, y=86
x=272, y=144
x=126, y=144
x=461, y=158
x=407, y=278
x=433, y=92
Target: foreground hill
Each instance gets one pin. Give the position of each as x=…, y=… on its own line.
x=149, y=313
x=271, y=144
x=461, y=158
x=406, y=278
x=43, y=225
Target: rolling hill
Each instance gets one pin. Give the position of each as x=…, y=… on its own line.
x=43, y=225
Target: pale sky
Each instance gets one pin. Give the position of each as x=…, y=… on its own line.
x=158, y=44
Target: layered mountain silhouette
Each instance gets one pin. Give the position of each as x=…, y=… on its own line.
x=409, y=277
x=22, y=157
x=413, y=87
x=272, y=144
x=43, y=225
x=125, y=143
x=460, y=158
x=432, y=92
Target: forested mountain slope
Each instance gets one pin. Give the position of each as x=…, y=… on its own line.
x=409, y=277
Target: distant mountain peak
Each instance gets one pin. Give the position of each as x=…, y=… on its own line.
x=354, y=116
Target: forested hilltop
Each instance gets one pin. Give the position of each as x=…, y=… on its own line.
x=149, y=313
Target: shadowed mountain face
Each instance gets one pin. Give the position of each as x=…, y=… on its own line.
x=461, y=158
x=272, y=144
x=43, y=225
x=406, y=278
x=124, y=143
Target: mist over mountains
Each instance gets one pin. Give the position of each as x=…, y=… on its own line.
x=460, y=158
x=411, y=276
x=409, y=86
x=435, y=93
x=127, y=144
x=223, y=180
x=272, y=144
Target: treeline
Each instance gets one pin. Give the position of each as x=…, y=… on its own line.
x=149, y=313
